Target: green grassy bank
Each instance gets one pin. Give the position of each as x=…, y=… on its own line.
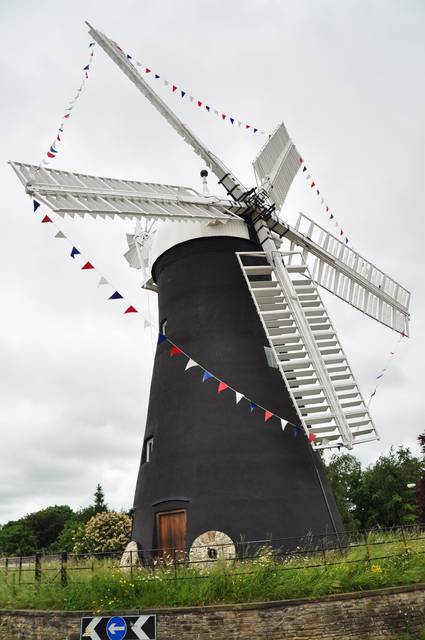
x=388, y=559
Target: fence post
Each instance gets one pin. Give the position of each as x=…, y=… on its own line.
x=6, y=566
x=37, y=568
x=404, y=537
x=366, y=536
x=20, y=570
x=64, y=567
x=175, y=563
x=323, y=552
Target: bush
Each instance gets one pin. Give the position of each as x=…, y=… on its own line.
x=108, y=531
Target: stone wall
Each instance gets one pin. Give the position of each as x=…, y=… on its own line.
x=372, y=615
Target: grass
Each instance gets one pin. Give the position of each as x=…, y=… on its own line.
x=98, y=585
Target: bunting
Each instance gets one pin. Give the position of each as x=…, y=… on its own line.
x=382, y=372
x=223, y=117
x=53, y=150
x=175, y=350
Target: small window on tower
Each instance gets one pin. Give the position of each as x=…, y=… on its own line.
x=149, y=448
x=163, y=327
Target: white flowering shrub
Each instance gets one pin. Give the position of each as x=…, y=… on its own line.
x=108, y=531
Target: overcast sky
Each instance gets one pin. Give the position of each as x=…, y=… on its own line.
x=347, y=77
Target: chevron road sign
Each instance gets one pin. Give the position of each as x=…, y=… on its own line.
x=118, y=628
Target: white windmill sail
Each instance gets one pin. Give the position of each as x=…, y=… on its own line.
x=348, y=275
x=277, y=165
x=232, y=185
x=307, y=350
x=68, y=193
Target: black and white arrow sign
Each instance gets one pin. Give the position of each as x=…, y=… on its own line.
x=118, y=627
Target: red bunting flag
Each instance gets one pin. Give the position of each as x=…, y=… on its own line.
x=313, y=184
x=327, y=209
x=223, y=115
x=58, y=137
x=131, y=309
x=175, y=351
x=301, y=160
x=88, y=265
x=222, y=386
x=199, y=103
x=311, y=437
x=51, y=155
x=341, y=233
x=67, y=115
x=267, y=415
x=174, y=88
x=46, y=219
x=147, y=70
x=247, y=126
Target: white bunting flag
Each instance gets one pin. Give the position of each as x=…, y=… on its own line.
x=283, y=424
x=60, y=235
x=102, y=281
x=239, y=396
x=191, y=363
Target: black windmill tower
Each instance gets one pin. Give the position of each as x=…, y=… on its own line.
x=237, y=290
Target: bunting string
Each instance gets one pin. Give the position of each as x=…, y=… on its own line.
x=384, y=371
x=113, y=294
x=54, y=148
x=233, y=121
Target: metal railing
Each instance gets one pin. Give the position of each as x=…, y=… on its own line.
x=284, y=554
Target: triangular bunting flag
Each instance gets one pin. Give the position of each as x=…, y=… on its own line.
x=183, y=93
x=252, y=406
x=60, y=235
x=239, y=396
x=255, y=130
x=191, y=363
x=35, y=205
x=223, y=116
x=86, y=68
x=115, y=296
x=247, y=126
x=46, y=219
x=88, y=265
x=199, y=103
x=206, y=376
x=331, y=216
x=232, y=120
x=131, y=309
x=162, y=338
x=175, y=351
x=102, y=280
x=146, y=323
x=222, y=386
x=267, y=415
x=313, y=184
x=311, y=437
x=283, y=424
x=166, y=83
x=74, y=252
x=147, y=70
x=50, y=155
x=174, y=88
x=308, y=176
x=346, y=240
x=157, y=76
x=341, y=233
x=207, y=107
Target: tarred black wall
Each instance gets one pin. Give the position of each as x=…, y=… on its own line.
x=229, y=469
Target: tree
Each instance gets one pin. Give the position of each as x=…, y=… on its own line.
x=345, y=476
x=107, y=531
x=47, y=524
x=99, y=500
x=17, y=539
x=383, y=499
x=420, y=488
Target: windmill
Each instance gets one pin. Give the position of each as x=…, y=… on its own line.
x=238, y=291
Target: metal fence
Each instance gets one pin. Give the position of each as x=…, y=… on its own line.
x=285, y=554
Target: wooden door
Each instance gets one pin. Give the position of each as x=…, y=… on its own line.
x=171, y=531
